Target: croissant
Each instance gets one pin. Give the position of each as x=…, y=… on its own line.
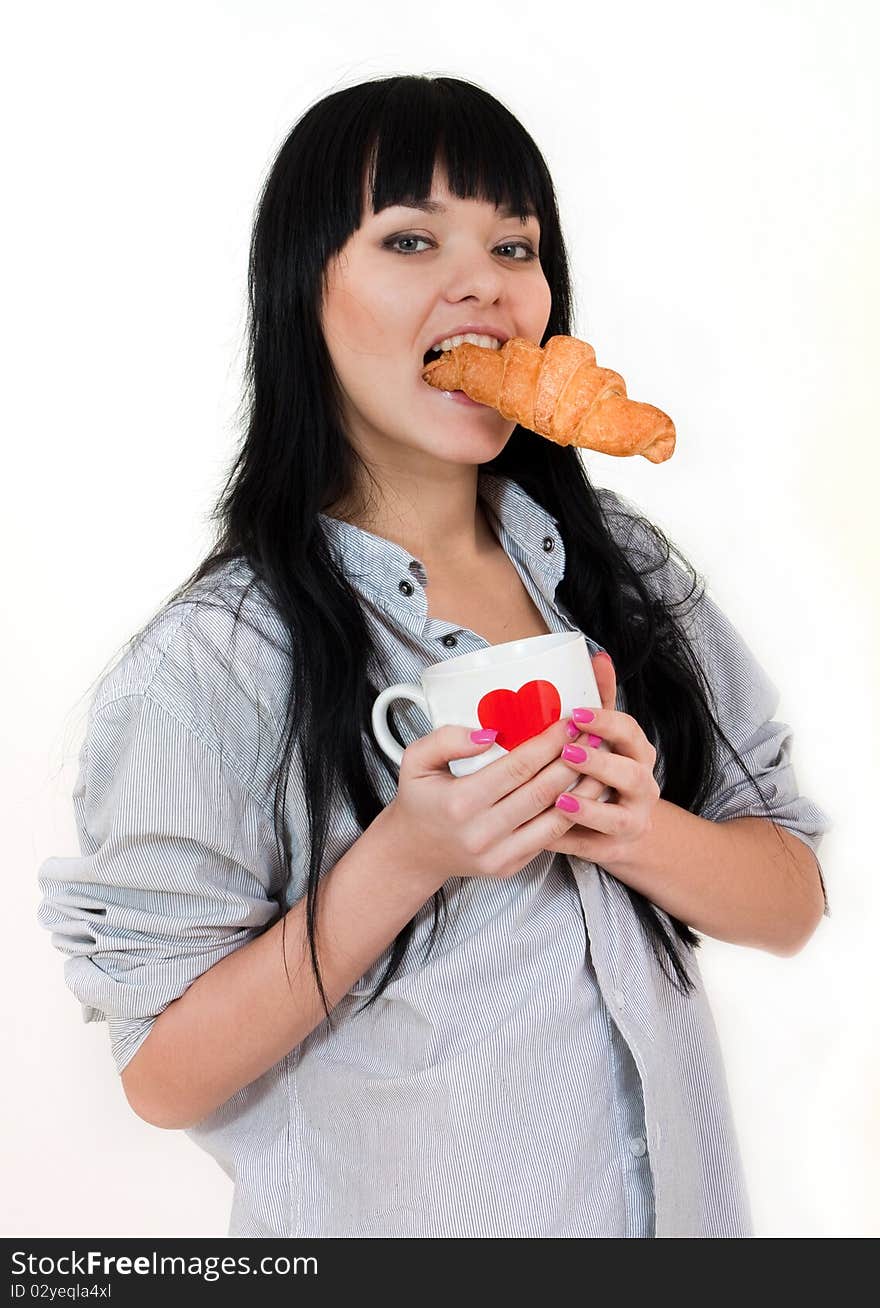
x=558, y=392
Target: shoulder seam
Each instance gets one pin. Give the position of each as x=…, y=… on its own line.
x=192, y=732
x=172, y=632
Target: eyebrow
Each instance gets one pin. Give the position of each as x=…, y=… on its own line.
x=435, y=206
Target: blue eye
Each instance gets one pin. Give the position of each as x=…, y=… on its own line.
x=393, y=241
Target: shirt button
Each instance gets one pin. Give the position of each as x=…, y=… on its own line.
x=549, y=543
x=639, y=1145
x=406, y=587
x=449, y=641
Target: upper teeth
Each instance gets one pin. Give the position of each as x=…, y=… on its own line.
x=487, y=342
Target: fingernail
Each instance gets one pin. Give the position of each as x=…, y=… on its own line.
x=572, y=730
x=595, y=741
x=583, y=715
x=482, y=737
x=568, y=803
x=573, y=753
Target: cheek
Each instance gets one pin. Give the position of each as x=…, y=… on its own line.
x=543, y=303
x=349, y=322
x=364, y=321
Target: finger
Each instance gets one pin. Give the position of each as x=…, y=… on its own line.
x=606, y=679
x=584, y=843
x=622, y=732
x=540, y=832
x=616, y=770
x=433, y=752
x=608, y=819
x=554, y=826
x=526, y=802
x=513, y=770
x=589, y=788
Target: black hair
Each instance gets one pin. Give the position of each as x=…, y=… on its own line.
x=295, y=460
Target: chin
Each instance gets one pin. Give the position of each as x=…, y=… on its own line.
x=466, y=444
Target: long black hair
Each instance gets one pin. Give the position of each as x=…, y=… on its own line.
x=295, y=460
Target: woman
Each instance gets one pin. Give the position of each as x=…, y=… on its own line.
x=495, y=1023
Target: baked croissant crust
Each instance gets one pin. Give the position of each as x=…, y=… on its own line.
x=558, y=392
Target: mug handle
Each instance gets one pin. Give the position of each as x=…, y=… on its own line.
x=380, y=718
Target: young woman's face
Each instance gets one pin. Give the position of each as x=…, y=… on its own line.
x=384, y=306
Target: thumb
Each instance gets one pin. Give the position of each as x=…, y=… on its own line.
x=434, y=751
x=606, y=679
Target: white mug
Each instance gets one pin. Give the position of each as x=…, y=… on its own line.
x=519, y=688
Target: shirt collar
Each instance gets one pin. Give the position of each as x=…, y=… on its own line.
x=524, y=528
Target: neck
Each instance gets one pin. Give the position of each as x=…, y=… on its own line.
x=443, y=524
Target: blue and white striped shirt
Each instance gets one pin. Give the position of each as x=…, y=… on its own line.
x=537, y=1075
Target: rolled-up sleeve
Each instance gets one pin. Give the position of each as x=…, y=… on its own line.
x=747, y=702
x=178, y=867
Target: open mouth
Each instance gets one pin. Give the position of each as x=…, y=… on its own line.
x=435, y=352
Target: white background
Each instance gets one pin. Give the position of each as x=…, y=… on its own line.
x=717, y=176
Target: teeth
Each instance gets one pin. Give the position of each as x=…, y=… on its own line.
x=487, y=342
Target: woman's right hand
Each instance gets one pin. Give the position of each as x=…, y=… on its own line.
x=481, y=824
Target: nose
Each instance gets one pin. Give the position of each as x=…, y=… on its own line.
x=473, y=274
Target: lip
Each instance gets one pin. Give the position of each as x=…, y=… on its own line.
x=459, y=397
x=479, y=329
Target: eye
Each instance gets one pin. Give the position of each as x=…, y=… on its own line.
x=390, y=244
x=519, y=245
x=528, y=253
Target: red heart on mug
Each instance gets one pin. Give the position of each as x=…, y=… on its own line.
x=517, y=715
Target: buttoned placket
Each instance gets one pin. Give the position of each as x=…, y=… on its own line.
x=539, y=578
x=535, y=546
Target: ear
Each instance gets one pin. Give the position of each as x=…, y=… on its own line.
x=606, y=679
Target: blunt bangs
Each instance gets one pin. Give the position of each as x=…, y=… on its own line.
x=405, y=128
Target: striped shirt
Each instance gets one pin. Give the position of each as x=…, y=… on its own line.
x=536, y=1074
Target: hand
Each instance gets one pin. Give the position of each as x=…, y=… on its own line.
x=606, y=832
x=491, y=823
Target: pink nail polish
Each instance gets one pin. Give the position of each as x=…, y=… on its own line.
x=568, y=803
x=595, y=741
x=583, y=715
x=572, y=730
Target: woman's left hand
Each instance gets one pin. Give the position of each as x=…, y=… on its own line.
x=606, y=832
